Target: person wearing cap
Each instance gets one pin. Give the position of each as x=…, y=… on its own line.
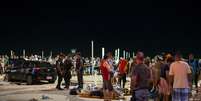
x=140, y=79
x=60, y=70
x=180, y=77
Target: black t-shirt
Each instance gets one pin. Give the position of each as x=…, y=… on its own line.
x=68, y=64
x=164, y=67
x=79, y=64
x=60, y=65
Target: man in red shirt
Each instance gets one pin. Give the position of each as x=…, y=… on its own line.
x=122, y=67
x=106, y=70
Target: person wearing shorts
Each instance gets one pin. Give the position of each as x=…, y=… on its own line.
x=180, y=76
x=107, y=85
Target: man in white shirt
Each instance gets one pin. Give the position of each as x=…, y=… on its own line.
x=180, y=76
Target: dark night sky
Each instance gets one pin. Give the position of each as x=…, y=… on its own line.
x=147, y=25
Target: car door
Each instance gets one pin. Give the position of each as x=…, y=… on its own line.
x=14, y=72
x=19, y=69
x=26, y=68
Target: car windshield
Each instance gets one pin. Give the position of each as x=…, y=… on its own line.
x=16, y=63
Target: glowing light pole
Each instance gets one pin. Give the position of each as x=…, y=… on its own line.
x=24, y=53
x=50, y=53
x=92, y=55
x=124, y=54
x=42, y=55
x=11, y=53
x=115, y=54
x=118, y=54
x=103, y=52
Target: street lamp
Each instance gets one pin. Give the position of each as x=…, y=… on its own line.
x=24, y=53
x=92, y=55
x=103, y=52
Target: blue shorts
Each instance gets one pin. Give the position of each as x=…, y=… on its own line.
x=180, y=94
x=140, y=95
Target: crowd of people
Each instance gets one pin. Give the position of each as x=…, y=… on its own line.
x=163, y=78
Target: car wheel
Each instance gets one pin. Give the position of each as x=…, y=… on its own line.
x=7, y=77
x=29, y=80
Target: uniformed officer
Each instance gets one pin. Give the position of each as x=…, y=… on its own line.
x=60, y=70
x=67, y=71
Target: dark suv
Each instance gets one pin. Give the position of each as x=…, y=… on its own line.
x=30, y=71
